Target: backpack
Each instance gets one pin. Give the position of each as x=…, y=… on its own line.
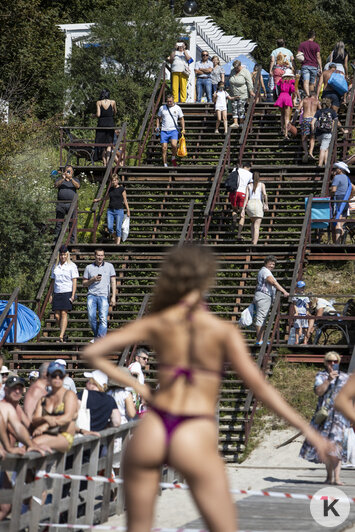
x=324, y=122
x=232, y=181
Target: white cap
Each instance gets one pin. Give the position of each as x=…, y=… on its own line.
x=136, y=369
x=61, y=361
x=342, y=166
x=288, y=73
x=99, y=376
x=4, y=369
x=34, y=374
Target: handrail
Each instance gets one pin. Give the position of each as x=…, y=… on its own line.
x=151, y=102
x=332, y=153
x=65, y=225
x=249, y=118
x=153, y=108
x=127, y=349
x=302, y=243
x=262, y=359
x=13, y=321
x=349, y=116
x=212, y=197
x=187, y=230
x=109, y=166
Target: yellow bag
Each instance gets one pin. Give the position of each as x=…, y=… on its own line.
x=182, y=151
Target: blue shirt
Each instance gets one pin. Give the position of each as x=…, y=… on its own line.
x=100, y=288
x=341, y=182
x=206, y=64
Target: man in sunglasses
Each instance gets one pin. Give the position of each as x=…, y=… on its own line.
x=140, y=364
x=67, y=186
x=203, y=71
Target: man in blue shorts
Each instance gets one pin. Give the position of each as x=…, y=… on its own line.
x=167, y=119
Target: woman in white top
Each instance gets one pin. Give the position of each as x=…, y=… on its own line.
x=65, y=274
x=254, y=205
x=220, y=99
x=180, y=60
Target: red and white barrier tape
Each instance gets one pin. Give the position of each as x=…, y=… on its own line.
x=105, y=527
x=169, y=485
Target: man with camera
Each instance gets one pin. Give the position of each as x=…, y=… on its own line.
x=67, y=186
x=99, y=277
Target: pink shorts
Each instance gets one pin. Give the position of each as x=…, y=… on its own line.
x=236, y=199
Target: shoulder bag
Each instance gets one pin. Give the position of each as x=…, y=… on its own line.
x=83, y=420
x=175, y=124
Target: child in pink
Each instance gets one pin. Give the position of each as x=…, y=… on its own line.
x=287, y=87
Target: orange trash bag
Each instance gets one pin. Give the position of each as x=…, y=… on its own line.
x=182, y=150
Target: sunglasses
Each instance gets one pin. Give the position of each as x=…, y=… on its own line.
x=144, y=358
x=204, y=55
x=332, y=361
x=55, y=375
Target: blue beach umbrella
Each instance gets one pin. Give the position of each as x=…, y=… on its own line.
x=28, y=323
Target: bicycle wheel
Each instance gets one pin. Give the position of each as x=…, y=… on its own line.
x=330, y=336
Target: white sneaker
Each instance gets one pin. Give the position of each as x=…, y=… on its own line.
x=165, y=165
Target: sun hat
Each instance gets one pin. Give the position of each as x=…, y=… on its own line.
x=98, y=376
x=14, y=380
x=54, y=366
x=301, y=284
x=288, y=73
x=61, y=361
x=342, y=166
x=4, y=369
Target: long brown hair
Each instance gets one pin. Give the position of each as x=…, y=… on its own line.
x=186, y=268
x=256, y=180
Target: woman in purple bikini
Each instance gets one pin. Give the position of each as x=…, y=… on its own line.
x=180, y=427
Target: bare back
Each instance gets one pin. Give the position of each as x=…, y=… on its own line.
x=310, y=106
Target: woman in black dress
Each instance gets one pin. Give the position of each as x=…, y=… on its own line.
x=105, y=111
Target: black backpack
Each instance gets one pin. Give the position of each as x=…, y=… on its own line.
x=324, y=123
x=232, y=181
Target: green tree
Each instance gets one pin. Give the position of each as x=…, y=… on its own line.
x=124, y=52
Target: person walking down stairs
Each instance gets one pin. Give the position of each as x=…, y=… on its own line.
x=168, y=116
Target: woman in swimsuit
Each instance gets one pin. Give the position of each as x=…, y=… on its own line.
x=180, y=428
x=54, y=418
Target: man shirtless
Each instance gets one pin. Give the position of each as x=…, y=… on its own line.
x=37, y=390
x=310, y=104
x=14, y=427
x=328, y=91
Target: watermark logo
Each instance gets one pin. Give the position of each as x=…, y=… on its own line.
x=330, y=507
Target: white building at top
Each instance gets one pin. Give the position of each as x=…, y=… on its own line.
x=201, y=32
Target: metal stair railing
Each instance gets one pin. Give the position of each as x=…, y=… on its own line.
x=249, y=117
x=187, y=230
x=47, y=273
x=151, y=110
x=13, y=317
x=219, y=173
x=349, y=120
x=332, y=155
x=262, y=361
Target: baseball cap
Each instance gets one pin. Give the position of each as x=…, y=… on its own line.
x=301, y=284
x=136, y=369
x=14, y=380
x=99, y=376
x=4, y=369
x=342, y=166
x=54, y=366
x=61, y=361
x=34, y=374
x=63, y=249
